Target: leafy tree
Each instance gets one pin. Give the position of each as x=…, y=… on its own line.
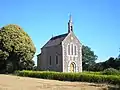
x=97, y=67
x=16, y=48
x=88, y=57
x=110, y=63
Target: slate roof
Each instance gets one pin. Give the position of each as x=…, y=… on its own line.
x=56, y=40
x=59, y=36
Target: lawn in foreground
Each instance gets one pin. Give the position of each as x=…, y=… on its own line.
x=10, y=82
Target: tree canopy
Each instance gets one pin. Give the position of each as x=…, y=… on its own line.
x=110, y=63
x=16, y=48
x=88, y=57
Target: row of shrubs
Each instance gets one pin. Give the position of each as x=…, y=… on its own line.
x=110, y=79
x=109, y=71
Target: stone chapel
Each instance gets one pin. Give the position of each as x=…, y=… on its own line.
x=62, y=53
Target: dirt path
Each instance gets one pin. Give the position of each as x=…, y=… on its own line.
x=9, y=82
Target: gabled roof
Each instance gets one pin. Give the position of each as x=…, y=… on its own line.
x=56, y=40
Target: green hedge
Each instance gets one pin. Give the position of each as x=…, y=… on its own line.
x=110, y=71
x=110, y=79
x=91, y=72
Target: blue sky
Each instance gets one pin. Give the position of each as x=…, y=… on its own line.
x=96, y=22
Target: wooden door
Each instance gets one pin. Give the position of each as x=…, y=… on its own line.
x=72, y=67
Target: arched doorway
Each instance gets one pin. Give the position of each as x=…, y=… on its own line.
x=72, y=67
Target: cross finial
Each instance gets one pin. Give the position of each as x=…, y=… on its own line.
x=70, y=18
x=52, y=35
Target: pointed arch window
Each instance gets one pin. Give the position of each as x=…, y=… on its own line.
x=75, y=50
x=56, y=58
x=71, y=49
x=50, y=62
x=68, y=49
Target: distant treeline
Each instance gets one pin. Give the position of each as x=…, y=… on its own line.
x=110, y=63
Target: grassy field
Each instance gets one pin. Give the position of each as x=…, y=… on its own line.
x=41, y=81
x=10, y=82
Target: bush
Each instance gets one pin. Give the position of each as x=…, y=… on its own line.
x=111, y=79
x=110, y=71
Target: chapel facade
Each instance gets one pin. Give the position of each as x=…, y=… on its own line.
x=62, y=53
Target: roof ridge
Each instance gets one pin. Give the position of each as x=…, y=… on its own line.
x=59, y=36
